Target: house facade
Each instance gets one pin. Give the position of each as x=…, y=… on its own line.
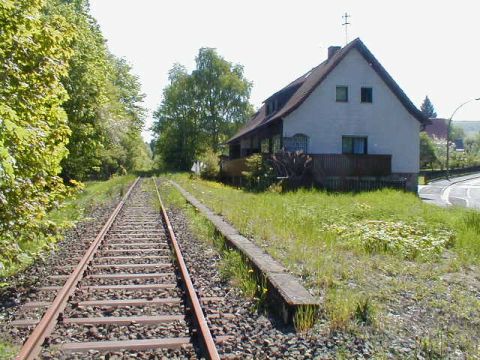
x=347, y=113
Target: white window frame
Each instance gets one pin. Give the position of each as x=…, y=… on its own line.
x=298, y=142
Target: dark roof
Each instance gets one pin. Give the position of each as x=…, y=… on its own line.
x=437, y=128
x=309, y=81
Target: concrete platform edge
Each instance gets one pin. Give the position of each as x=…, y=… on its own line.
x=285, y=292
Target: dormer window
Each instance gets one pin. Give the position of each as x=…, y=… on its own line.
x=272, y=106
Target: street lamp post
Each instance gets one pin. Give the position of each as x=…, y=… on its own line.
x=449, y=125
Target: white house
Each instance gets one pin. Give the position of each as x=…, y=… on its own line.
x=348, y=113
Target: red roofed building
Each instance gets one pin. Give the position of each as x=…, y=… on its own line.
x=437, y=128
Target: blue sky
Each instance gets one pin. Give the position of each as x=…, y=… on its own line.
x=429, y=47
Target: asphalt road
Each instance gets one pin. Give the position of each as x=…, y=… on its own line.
x=462, y=191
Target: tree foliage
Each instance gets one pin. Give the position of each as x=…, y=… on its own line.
x=427, y=108
x=456, y=132
x=210, y=165
x=103, y=107
x=222, y=93
x=34, y=54
x=260, y=173
x=65, y=101
x=200, y=110
x=427, y=151
x=177, y=125
x=472, y=144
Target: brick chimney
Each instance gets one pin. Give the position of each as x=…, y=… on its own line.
x=332, y=50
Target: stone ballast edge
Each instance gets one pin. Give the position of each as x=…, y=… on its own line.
x=283, y=288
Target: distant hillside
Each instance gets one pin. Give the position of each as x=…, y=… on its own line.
x=470, y=127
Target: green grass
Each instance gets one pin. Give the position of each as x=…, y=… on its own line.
x=235, y=269
x=383, y=221
x=95, y=193
x=347, y=310
x=305, y=317
x=367, y=254
x=232, y=267
x=7, y=351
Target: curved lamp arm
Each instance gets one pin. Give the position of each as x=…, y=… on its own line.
x=461, y=105
x=448, y=133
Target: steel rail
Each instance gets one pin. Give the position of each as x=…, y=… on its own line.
x=32, y=346
x=199, y=318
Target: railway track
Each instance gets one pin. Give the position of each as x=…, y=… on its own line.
x=125, y=293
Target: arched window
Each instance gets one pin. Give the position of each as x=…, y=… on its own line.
x=298, y=142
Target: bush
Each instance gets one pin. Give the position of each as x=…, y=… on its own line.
x=260, y=174
x=295, y=167
x=427, y=151
x=211, y=165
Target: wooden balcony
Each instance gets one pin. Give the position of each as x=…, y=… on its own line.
x=352, y=165
x=327, y=165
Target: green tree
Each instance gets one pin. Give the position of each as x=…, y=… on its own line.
x=456, y=132
x=200, y=110
x=179, y=136
x=427, y=108
x=223, y=94
x=34, y=54
x=121, y=118
x=440, y=146
x=427, y=151
x=472, y=144
x=104, y=111
x=87, y=86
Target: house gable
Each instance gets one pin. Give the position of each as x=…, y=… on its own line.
x=308, y=82
x=387, y=124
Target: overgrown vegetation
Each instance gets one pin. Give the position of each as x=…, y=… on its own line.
x=69, y=111
x=305, y=317
x=7, y=351
x=376, y=222
x=210, y=165
x=33, y=125
x=103, y=106
x=234, y=268
x=412, y=241
x=259, y=174
x=95, y=193
x=368, y=255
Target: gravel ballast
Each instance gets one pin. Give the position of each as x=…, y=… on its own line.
x=240, y=330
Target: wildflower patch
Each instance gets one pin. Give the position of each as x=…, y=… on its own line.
x=410, y=241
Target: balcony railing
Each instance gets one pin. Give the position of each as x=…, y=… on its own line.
x=327, y=165
x=352, y=165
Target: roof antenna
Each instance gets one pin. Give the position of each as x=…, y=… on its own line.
x=346, y=23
